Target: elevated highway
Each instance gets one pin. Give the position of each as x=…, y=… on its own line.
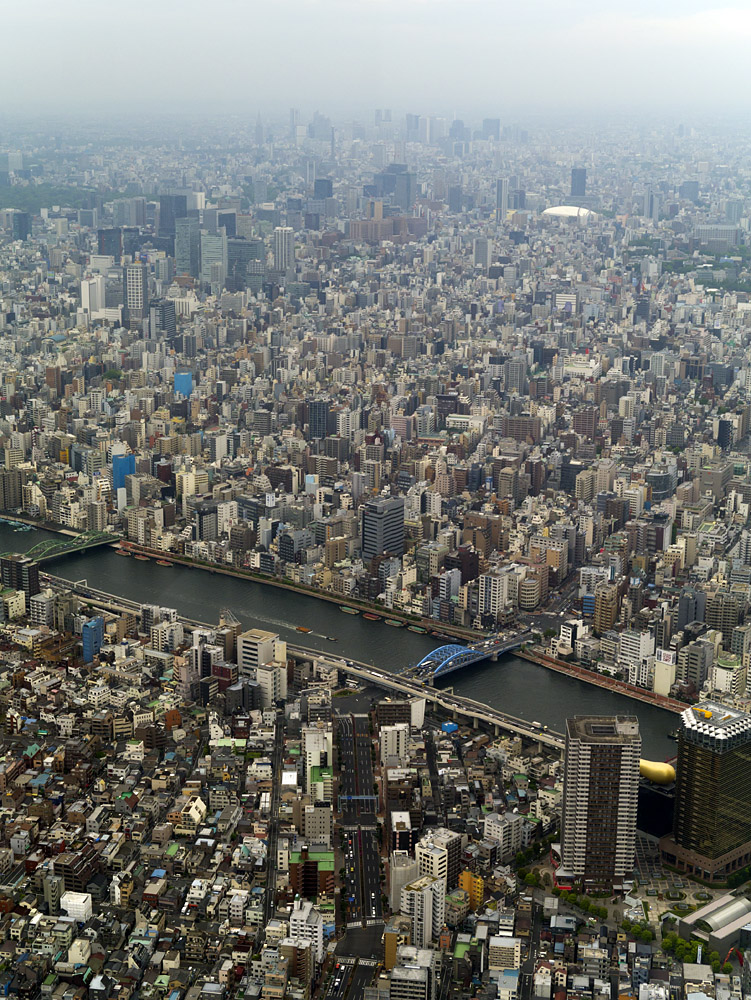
x=467, y=709
x=471, y=711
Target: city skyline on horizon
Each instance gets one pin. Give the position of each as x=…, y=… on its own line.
x=449, y=53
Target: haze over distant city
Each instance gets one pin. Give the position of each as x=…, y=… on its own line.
x=346, y=55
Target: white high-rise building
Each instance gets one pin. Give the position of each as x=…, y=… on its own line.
x=135, y=292
x=432, y=860
x=272, y=681
x=254, y=648
x=395, y=745
x=424, y=902
x=600, y=798
x=214, y=260
x=306, y=924
x=493, y=594
x=403, y=870
x=636, y=656
x=93, y=295
x=317, y=744
x=284, y=247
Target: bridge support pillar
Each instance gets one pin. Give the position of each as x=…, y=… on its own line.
x=475, y=722
x=494, y=658
x=497, y=729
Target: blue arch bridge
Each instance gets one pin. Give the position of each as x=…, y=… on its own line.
x=446, y=659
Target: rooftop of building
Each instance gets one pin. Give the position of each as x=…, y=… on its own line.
x=603, y=729
x=721, y=722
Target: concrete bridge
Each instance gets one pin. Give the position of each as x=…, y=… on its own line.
x=446, y=659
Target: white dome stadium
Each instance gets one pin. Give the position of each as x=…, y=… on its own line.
x=570, y=212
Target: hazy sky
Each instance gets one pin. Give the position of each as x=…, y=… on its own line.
x=429, y=56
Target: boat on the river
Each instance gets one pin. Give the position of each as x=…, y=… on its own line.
x=331, y=638
x=348, y=611
x=163, y=562
x=394, y=623
x=122, y=552
x=417, y=628
x=302, y=628
x=371, y=617
x=141, y=558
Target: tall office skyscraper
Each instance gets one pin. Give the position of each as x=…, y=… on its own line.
x=578, y=182
x=491, y=128
x=171, y=208
x=481, y=248
x=383, y=527
x=318, y=417
x=188, y=246
x=240, y=252
x=162, y=321
x=135, y=293
x=712, y=817
x=600, y=797
x=501, y=198
x=405, y=190
x=110, y=242
x=21, y=225
x=284, y=247
x=213, y=257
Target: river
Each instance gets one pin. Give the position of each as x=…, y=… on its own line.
x=512, y=685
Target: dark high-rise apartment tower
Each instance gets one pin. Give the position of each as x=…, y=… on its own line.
x=692, y=607
x=600, y=798
x=712, y=817
x=20, y=573
x=110, y=242
x=227, y=220
x=135, y=293
x=21, y=225
x=323, y=187
x=162, y=321
x=578, y=182
x=383, y=527
x=318, y=418
x=171, y=208
x=501, y=198
x=188, y=246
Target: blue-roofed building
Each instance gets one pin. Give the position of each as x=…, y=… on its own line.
x=122, y=466
x=92, y=636
x=183, y=383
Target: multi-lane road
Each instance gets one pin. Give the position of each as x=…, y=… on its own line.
x=349, y=978
x=357, y=819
